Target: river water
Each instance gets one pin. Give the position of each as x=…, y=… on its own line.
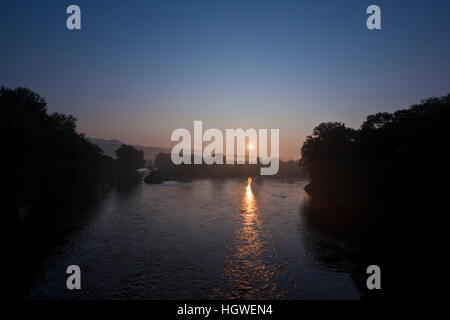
x=206, y=239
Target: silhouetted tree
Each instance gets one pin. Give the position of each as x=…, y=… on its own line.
x=129, y=158
x=43, y=156
x=396, y=162
x=385, y=187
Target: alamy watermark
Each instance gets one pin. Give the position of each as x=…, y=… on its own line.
x=213, y=153
x=74, y=279
x=73, y=22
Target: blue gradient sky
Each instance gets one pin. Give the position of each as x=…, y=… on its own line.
x=139, y=69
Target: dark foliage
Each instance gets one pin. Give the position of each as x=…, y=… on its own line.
x=395, y=166
x=129, y=159
x=383, y=186
x=46, y=161
x=43, y=154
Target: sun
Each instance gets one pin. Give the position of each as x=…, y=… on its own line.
x=250, y=146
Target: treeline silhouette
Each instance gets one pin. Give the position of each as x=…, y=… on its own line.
x=170, y=171
x=394, y=167
x=383, y=186
x=44, y=158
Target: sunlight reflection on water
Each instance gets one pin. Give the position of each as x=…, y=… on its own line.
x=251, y=276
x=202, y=239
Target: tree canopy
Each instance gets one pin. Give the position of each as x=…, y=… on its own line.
x=43, y=154
x=392, y=156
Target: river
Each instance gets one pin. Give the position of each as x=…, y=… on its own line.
x=206, y=239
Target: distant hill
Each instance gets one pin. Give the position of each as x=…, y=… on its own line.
x=110, y=146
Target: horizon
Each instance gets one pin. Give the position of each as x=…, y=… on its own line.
x=281, y=157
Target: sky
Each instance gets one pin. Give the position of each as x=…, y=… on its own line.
x=137, y=70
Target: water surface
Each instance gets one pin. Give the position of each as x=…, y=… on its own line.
x=213, y=239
